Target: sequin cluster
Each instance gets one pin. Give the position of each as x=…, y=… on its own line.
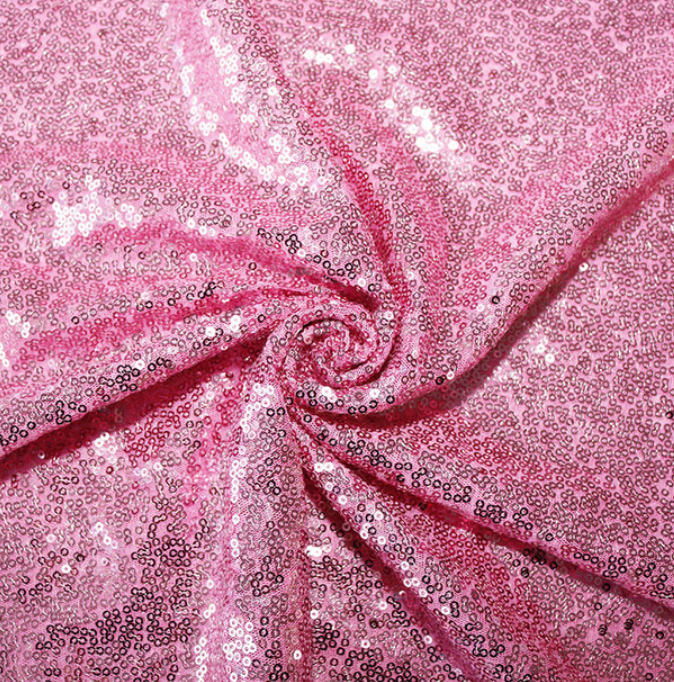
x=336, y=341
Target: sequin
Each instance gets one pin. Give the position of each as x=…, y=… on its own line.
x=336, y=341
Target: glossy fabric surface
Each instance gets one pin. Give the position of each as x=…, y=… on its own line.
x=337, y=341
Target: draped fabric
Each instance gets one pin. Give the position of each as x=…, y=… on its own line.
x=336, y=340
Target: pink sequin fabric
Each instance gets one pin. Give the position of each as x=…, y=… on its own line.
x=336, y=341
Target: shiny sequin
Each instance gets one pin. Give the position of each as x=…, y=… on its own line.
x=336, y=341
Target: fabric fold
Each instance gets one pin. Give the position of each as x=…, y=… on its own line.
x=335, y=341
